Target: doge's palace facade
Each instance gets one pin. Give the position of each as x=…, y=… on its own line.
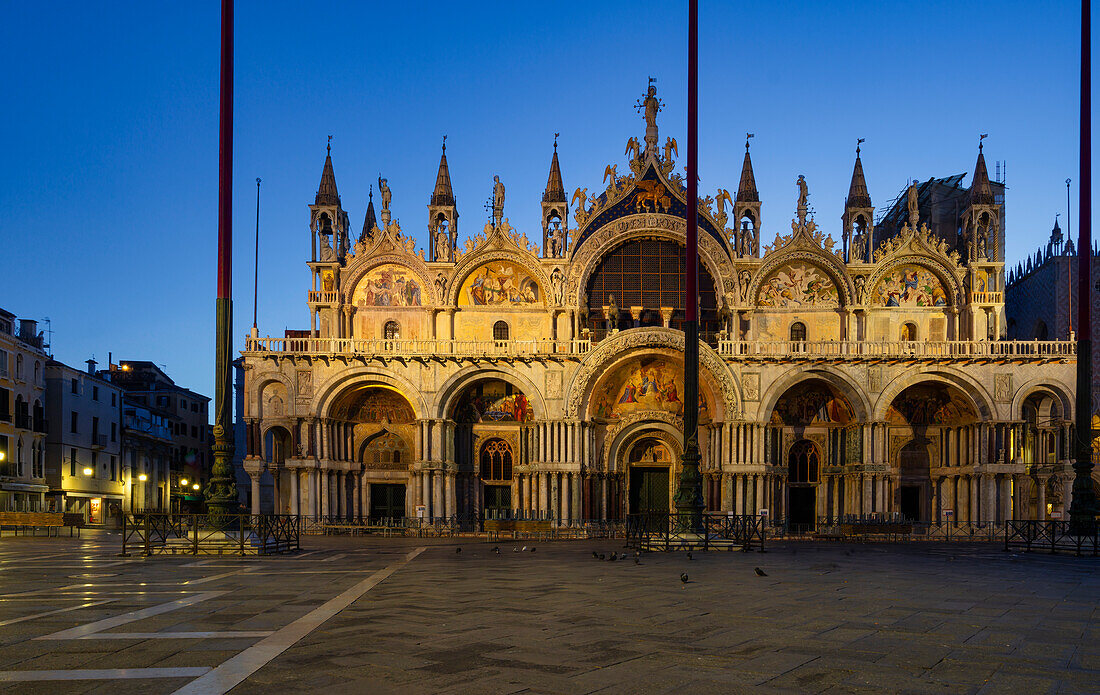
x=499, y=376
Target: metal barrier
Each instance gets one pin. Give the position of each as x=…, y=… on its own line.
x=673, y=531
x=1052, y=536
x=203, y=534
x=464, y=524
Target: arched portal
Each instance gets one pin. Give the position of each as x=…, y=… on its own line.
x=372, y=435
x=812, y=427
x=931, y=425
x=650, y=463
x=491, y=428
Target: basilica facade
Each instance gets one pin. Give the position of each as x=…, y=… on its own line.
x=500, y=375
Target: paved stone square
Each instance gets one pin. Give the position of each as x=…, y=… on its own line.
x=416, y=616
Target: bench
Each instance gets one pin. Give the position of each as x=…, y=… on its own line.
x=35, y=520
x=519, y=528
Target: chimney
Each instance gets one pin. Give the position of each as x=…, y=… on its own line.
x=28, y=330
x=91, y=365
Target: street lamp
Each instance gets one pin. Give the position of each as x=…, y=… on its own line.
x=195, y=487
x=88, y=472
x=142, y=477
x=183, y=482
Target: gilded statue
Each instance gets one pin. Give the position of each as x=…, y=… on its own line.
x=610, y=172
x=582, y=195
x=723, y=198
x=670, y=147
x=633, y=145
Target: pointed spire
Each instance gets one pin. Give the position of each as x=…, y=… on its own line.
x=981, y=193
x=746, y=191
x=369, y=222
x=858, y=197
x=555, y=189
x=326, y=191
x=443, y=195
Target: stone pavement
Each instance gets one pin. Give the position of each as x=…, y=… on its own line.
x=355, y=615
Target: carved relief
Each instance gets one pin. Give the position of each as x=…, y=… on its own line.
x=553, y=384
x=1002, y=388
x=750, y=384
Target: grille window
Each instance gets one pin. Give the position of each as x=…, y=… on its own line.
x=648, y=273
x=500, y=330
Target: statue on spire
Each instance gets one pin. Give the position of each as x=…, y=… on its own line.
x=649, y=105
x=914, y=206
x=803, y=198
x=498, y=201
x=384, y=191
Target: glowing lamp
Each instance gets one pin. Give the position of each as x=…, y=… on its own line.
x=88, y=471
x=143, y=477
x=195, y=486
x=183, y=482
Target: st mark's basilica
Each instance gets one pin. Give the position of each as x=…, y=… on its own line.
x=498, y=375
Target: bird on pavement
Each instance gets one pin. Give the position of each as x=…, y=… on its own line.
x=689, y=554
x=595, y=555
x=684, y=577
x=458, y=550
x=496, y=549
x=760, y=572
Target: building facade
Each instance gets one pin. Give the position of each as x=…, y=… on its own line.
x=22, y=415
x=168, y=432
x=84, y=443
x=501, y=376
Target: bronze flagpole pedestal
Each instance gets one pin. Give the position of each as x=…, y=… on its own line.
x=221, y=491
x=689, y=494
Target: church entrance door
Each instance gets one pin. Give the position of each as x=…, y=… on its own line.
x=498, y=501
x=802, y=515
x=649, y=494
x=387, y=501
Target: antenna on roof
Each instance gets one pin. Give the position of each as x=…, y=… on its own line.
x=49, y=335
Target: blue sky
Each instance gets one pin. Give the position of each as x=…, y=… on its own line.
x=109, y=178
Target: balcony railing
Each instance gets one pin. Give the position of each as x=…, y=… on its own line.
x=859, y=349
x=99, y=441
x=321, y=297
x=357, y=346
x=987, y=297
x=754, y=349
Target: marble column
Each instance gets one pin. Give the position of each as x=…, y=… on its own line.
x=255, y=491
x=323, y=483
x=294, y=498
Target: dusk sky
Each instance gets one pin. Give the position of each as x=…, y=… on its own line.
x=110, y=141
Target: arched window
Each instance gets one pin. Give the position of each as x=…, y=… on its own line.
x=798, y=332
x=391, y=331
x=496, y=460
x=37, y=371
x=18, y=366
x=802, y=463
x=648, y=273
x=908, y=332
x=1041, y=330
x=500, y=330
x=384, y=448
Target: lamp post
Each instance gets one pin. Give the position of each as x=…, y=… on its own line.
x=689, y=494
x=221, y=491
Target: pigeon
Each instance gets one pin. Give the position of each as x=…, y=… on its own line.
x=532, y=550
x=602, y=556
x=496, y=549
x=614, y=556
x=684, y=577
x=515, y=550
x=689, y=555
x=637, y=561
x=760, y=572
x=595, y=555
x=525, y=548
x=458, y=550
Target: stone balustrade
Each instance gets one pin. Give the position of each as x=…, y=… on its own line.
x=744, y=349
